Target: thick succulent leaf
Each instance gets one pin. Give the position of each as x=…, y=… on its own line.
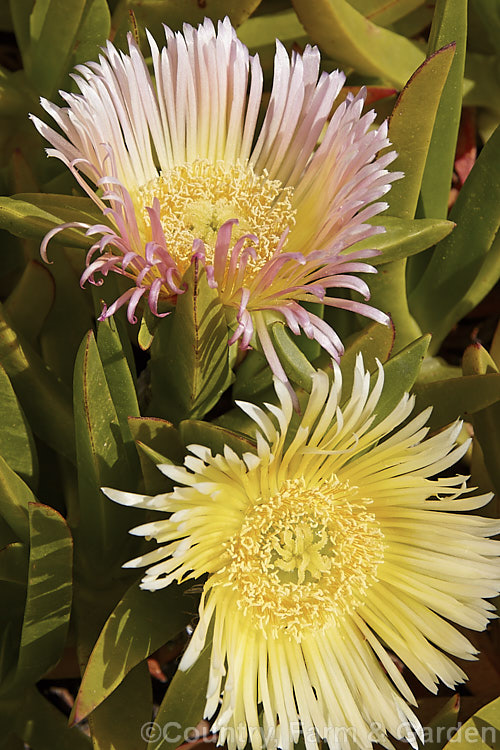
x=15, y=496
x=152, y=14
x=294, y=362
x=457, y=397
x=481, y=730
x=120, y=382
x=374, y=342
x=437, y=368
x=253, y=376
x=190, y=355
x=414, y=23
x=147, y=328
x=449, y=25
x=215, y=437
x=478, y=363
x=465, y=265
x=101, y=534
x=347, y=36
x=183, y=705
x=400, y=373
x=158, y=434
x=32, y=215
x=482, y=83
x=45, y=400
x=388, y=293
x=411, y=126
x=70, y=317
x=260, y=32
x=157, y=441
x=489, y=13
x=141, y=622
x=13, y=597
x=61, y=35
x=41, y=725
x=16, y=439
x=14, y=564
x=383, y=13
x=410, y=131
x=31, y=300
x=20, y=13
x=49, y=593
x=403, y=237
x=441, y=725
x=119, y=722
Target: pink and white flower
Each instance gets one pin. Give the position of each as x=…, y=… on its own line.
x=179, y=168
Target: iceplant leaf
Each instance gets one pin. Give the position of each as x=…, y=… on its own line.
x=20, y=13
x=183, y=705
x=400, y=372
x=295, y=363
x=193, y=431
x=383, y=13
x=14, y=564
x=477, y=362
x=152, y=14
x=449, y=25
x=41, y=725
x=375, y=342
x=61, y=35
x=16, y=439
x=45, y=400
x=32, y=222
x=411, y=126
x=347, y=36
x=190, y=355
x=480, y=731
x=441, y=725
x=49, y=593
x=403, y=237
x=457, y=397
x=36, y=285
x=259, y=33
x=101, y=533
x=140, y=623
x=14, y=498
x=252, y=376
x=157, y=442
x=410, y=130
x=464, y=265
x=120, y=382
x=132, y=703
x=59, y=326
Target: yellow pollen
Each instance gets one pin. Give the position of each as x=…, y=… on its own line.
x=197, y=198
x=302, y=558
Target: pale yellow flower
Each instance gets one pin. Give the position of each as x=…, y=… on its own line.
x=323, y=550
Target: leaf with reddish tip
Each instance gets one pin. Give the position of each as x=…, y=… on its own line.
x=480, y=731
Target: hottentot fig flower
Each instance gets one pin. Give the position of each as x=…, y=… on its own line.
x=319, y=552
x=180, y=168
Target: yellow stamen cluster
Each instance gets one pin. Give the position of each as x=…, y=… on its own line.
x=197, y=198
x=303, y=558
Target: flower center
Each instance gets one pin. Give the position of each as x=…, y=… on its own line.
x=303, y=557
x=197, y=198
